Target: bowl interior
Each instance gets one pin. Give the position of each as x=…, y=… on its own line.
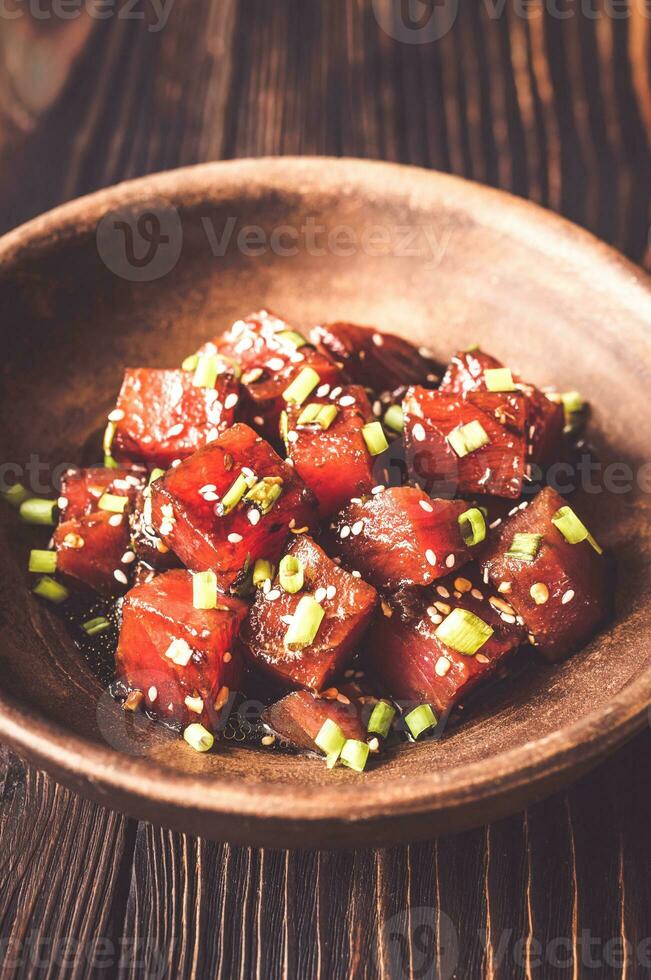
x=443, y=263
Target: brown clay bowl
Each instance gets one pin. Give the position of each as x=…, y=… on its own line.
x=445, y=263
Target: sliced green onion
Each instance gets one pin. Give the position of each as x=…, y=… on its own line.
x=206, y=371
x=16, y=495
x=112, y=503
x=109, y=434
x=190, y=362
x=262, y=570
x=265, y=493
x=291, y=574
x=420, y=720
x=525, y=547
x=48, y=588
x=464, y=632
x=109, y=462
x=330, y=738
x=283, y=425
x=43, y=562
x=394, y=419
x=204, y=590
x=314, y=413
x=199, y=737
x=572, y=402
x=155, y=474
x=354, y=754
x=573, y=529
x=94, y=626
x=292, y=337
x=467, y=438
x=473, y=526
x=305, y=623
x=375, y=439
x=303, y=385
x=332, y=760
x=381, y=717
x=327, y=415
x=38, y=511
x=309, y=414
x=499, y=379
x=234, y=494
x=471, y=349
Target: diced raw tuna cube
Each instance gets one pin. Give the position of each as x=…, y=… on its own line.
x=161, y=416
x=545, y=421
x=230, y=503
x=81, y=489
x=435, y=422
x=413, y=665
x=184, y=660
x=270, y=354
x=334, y=461
x=299, y=717
x=380, y=361
x=347, y=602
x=91, y=550
x=401, y=537
x=562, y=591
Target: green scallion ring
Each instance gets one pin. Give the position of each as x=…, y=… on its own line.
x=354, y=754
x=206, y=371
x=420, y=720
x=262, y=570
x=190, y=362
x=525, y=547
x=381, y=718
x=466, y=439
x=330, y=738
x=15, y=495
x=42, y=562
x=305, y=623
x=473, y=526
x=38, y=511
x=204, y=590
x=375, y=439
x=291, y=574
x=464, y=632
x=499, y=379
x=199, y=737
x=109, y=462
x=234, y=494
x=113, y=503
x=394, y=419
x=303, y=385
x=48, y=588
x=94, y=626
x=291, y=336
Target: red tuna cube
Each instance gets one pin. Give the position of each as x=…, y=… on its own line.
x=270, y=354
x=81, y=489
x=184, y=660
x=412, y=664
x=161, y=416
x=334, y=462
x=401, y=537
x=230, y=503
x=562, y=591
x=545, y=419
x=347, y=602
x=380, y=361
x=468, y=444
x=94, y=550
x=299, y=717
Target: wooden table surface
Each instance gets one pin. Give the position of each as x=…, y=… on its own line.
x=551, y=100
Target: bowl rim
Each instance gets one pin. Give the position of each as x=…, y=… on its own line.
x=536, y=763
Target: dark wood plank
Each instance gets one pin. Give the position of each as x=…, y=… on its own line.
x=555, y=110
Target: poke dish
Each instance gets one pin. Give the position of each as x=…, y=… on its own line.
x=329, y=523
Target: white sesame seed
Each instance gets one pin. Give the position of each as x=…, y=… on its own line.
x=507, y=618
x=418, y=432
x=273, y=595
x=166, y=528
x=356, y=574
x=331, y=592
x=207, y=488
x=115, y=520
x=287, y=620
x=449, y=561
x=253, y=516
x=476, y=594
x=513, y=511
x=258, y=419
x=357, y=527
x=347, y=400
x=235, y=538
x=378, y=339
x=266, y=585
x=430, y=557
x=275, y=364
x=482, y=659
x=377, y=408
x=127, y=558
x=152, y=693
x=62, y=503
x=116, y=415
x=567, y=596
x=504, y=587
x=176, y=430
x=119, y=575
x=485, y=576
x=523, y=505
x=442, y=591
x=292, y=436
x=495, y=523
x=320, y=594
x=336, y=392
x=442, y=666
x=209, y=496
x=380, y=487
x=425, y=504
x=231, y=401
x=345, y=531
x=322, y=390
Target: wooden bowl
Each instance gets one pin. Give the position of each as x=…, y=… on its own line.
x=144, y=272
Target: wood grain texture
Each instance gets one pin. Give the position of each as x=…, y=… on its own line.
x=556, y=110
